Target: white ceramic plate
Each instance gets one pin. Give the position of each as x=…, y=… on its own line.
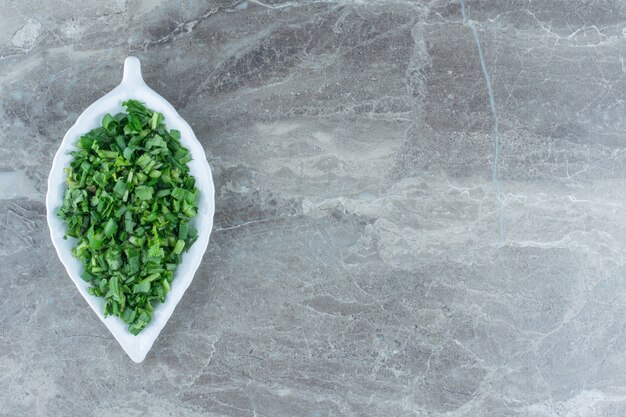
x=134, y=87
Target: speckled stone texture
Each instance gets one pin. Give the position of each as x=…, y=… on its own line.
x=381, y=247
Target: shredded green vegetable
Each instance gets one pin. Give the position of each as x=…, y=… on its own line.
x=129, y=200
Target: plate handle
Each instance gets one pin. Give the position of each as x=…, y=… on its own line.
x=132, y=72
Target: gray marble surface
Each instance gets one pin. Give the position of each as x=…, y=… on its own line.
x=420, y=209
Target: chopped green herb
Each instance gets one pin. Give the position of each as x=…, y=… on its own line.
x=129, y=200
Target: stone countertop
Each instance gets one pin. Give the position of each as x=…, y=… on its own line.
x=419, y=208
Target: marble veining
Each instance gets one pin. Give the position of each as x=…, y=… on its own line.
x=419, y=208
x=496, y=132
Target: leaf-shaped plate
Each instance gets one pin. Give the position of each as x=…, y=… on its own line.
x=133, y=87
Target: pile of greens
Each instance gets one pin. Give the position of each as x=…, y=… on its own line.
x=129, y=200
